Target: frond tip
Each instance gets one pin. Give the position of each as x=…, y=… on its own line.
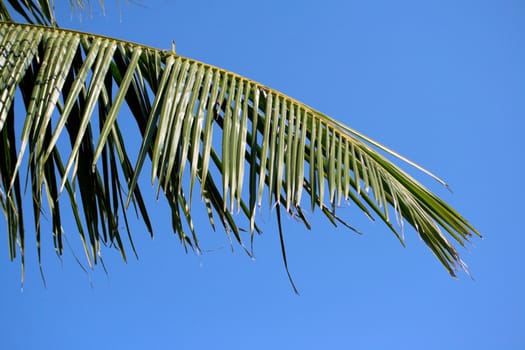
x=241, y=141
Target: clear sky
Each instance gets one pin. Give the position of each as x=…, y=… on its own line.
x=442, y=82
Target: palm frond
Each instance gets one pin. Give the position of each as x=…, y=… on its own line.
x=237, y=138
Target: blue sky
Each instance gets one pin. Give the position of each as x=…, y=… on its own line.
x=442, y=82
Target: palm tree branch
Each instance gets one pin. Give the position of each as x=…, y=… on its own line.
x=226, y=126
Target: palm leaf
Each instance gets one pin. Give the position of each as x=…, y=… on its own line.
x=195, y=121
